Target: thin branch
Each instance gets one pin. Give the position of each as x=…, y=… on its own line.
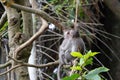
x=55, y=33
x=42, y=65
x=76, y=13
x=3, y=19
x=51, y=35
x=18, y=61
x=48, y=76
x=93, y=24
x=52, y=39
x=10, y=69
x=54, y=43
x=47, y=55
x=37, y=66
x=5, y=64
x=47, y=49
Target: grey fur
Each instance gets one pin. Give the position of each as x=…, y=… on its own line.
x=72, y=43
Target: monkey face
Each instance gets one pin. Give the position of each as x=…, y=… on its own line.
x=71, y=33
x=66, y=33
x=74, y=33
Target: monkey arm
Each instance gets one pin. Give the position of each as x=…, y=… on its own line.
x=66, y=45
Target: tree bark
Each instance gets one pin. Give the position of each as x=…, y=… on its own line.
x=20, y=73
x=13, y=28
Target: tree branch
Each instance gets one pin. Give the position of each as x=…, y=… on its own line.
x=37, y=66
x=42, y=65
x=35, y=11
x=10, y=69
x=30, y=65
x=20, y=63
x=3, y=19
x=5, y=64
x=36, y=35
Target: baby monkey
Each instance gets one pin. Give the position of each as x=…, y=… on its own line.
x=72, y=43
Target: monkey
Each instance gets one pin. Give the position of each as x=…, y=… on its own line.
x=62, y=49
x=72, y=43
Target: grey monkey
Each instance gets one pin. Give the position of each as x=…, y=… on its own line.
x=72, y=43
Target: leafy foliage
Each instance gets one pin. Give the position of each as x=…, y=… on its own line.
x=94, y=74
x=4, y=27
x=66, y=8
x=72, y=77
x=84, y=74
x=76, y=54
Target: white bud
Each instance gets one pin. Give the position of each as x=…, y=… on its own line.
x=52, y=26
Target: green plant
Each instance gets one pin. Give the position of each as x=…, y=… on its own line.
x=80, y=67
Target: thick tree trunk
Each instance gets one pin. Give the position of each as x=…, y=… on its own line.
x=20, y=73
x=27, y=19
x=13, y=28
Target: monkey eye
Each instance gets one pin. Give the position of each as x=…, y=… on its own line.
x=68, y=32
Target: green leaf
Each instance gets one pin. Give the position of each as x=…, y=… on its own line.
x=76, y=68
x=4, y=26
x=95, y=77
x=76, y=54
x=81, y=61
x=94, y=73
x=72, y=77
x=93, y=53
x=89, y=54
x=89, y=61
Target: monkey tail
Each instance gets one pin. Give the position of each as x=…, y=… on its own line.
x=58, y=72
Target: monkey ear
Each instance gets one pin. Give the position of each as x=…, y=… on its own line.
x=66, y=31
